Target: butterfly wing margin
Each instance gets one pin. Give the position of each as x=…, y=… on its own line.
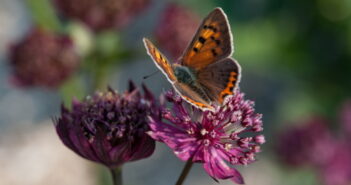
x=212, y=41
x=160, y=60
x=186, y=92
x=220, y=79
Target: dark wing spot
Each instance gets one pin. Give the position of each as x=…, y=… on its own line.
x=218, y=42
x=212, y=74
x=214, y=52
x=212, y=28
x=196, y=50
x=202, y=40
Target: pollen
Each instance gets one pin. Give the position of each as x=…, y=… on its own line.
x=203, y=132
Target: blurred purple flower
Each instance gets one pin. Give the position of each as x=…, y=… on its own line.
x=217, y=139
x=313, y=144
x=176, y=29
x=109, y=128
x=43, y=58
x=337, y=168
x=309, y=143
x=102, y=14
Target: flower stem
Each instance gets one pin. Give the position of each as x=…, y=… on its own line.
x=116, y=174
x=100, y=78
x=185, y=172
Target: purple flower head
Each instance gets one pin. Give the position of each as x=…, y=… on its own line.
x=176, y=29
x=220, y=139
x=337, y=169
x=109, y=128
x=43, y=58
x=102, y=14
x=310, y=143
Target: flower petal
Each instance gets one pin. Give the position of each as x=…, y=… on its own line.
x=177, y=139
x=217, y=168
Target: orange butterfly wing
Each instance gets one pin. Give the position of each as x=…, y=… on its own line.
x=211, y=43
x=160, y=60
x=185, y=91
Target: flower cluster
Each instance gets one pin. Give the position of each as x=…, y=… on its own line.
x=176, y=29
x=102, y=14
x=301, y=145
x=313, y=144
x=220, y=139
x=109, y=128
x=43, y=58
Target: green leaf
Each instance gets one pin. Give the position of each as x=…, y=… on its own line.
x=107, y=43
x=44, y=14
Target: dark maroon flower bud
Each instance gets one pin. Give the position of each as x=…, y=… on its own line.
x=102, y=14
x=109, y=128
x=44, y=59
x=176, y=29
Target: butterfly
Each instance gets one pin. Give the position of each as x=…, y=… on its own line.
x=205, y=74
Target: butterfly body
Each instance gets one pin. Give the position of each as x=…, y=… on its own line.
x=205, y=75
x=184, y=74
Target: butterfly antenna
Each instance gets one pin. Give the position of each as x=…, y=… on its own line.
x=147, y=76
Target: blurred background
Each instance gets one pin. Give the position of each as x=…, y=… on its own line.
x=296, y=66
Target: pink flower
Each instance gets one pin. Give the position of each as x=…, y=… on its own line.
x=215, y=139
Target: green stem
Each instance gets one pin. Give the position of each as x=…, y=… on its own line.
x=116, y=175
x=100, y=78
x=185, y=172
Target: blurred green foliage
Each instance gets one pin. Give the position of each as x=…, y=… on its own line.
x=44, y=14
x=307, y=42
x=302, y=45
